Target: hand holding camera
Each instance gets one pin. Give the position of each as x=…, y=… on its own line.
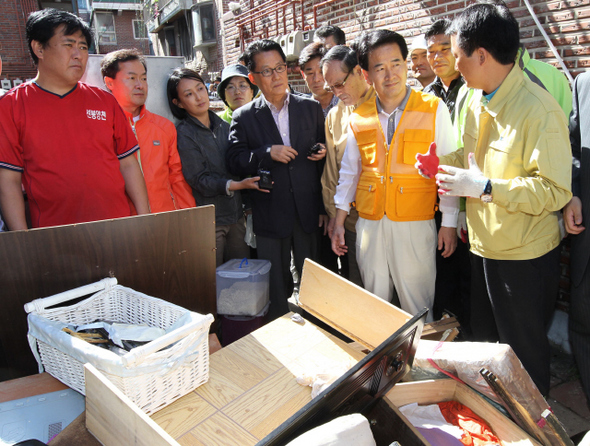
x=316, y=152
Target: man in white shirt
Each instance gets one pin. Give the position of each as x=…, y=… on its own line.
x=396, y=235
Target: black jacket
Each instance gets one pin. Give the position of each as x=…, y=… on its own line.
x=296, y=189
x=202, y=153
x=580, y=140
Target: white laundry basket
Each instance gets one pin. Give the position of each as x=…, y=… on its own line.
x=153, y=375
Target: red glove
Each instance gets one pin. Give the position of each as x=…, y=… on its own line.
x=427, y=164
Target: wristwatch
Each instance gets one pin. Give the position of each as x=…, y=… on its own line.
x=486, y=197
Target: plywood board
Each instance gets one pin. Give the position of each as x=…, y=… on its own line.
x=352, y=310
x=252, y=384
x=114, y=419
x=170, y=255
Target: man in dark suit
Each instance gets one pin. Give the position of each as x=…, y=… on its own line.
x=575, y=214
x=275, y=133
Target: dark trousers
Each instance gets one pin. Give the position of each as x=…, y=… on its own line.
x=452, y=291
x=512, y=301
x=579, y=329
x=278, y=251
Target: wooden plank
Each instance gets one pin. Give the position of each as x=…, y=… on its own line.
x=170, y=255
x=183, y=414
x=38, y=384
x=353, y=311
x=113, y=418
x=266, y=406
x=218, y=430
x=435, y=391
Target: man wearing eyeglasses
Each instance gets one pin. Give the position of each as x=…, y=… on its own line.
x=275, y=133
x=343, y=77
x=396, y=234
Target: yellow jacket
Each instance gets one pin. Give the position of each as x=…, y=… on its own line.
x=521, y=142
x=389, y=184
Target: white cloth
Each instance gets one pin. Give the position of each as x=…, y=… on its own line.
x=429, y=417
x=347, y=430
x=401, y=253
x=350, y=169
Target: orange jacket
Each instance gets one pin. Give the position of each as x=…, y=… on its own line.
x=389, y=183
x=158, y=157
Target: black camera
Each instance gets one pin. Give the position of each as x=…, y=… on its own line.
x=265, y=181
x=314, y=149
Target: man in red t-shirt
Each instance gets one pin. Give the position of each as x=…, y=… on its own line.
x=68, y=143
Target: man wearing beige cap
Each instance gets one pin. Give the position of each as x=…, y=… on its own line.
x=421, y=68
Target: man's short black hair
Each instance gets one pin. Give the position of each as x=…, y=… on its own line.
x=343, y=54
x=41, y=26
x=439, y=27
x=109, y=65
x=326, y=31
x=370, y=41
x=490, y=26
x=314, y=50
x=261, y=46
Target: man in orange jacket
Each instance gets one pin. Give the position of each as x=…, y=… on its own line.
x=125, y=75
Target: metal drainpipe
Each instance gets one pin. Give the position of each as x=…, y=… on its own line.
x=549, y=42
x=315, y=9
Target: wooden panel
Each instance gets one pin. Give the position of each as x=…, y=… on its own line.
x=169, y=255
x=183, y=414
x=252, y=383
x=114, y=419
x=219, y=430
x=266, y=406
x=347, y=307
x=38, y=384
x=435, y=391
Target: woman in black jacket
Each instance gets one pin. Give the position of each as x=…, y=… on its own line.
x=202, y=142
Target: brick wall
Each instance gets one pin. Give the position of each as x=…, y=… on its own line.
x=16, y=60
x=566, y=23
x=124, y=32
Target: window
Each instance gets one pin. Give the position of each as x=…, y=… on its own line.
x=204, y=24
x=105, y=29
x=139, y=30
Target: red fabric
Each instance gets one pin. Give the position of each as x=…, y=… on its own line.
x=166, y=187
x=477, y=432
x=68, y=150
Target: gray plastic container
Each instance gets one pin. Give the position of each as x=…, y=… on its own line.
x=242, y=287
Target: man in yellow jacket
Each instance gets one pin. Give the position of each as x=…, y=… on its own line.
x=396, y=235
x=517, y=133
x=125, y=75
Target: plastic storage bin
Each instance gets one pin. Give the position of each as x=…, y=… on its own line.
x=153, y=375
x=242, y=287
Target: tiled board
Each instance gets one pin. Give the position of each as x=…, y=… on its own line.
x=252, y=385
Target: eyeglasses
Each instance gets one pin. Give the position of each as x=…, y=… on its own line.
x=232, y=88
x=267, y=72
x=338, y=85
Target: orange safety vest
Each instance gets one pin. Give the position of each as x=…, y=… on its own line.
x=389, y=183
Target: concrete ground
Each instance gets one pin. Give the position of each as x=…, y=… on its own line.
x=566, y=397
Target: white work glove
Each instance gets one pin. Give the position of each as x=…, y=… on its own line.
x=461, y=182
